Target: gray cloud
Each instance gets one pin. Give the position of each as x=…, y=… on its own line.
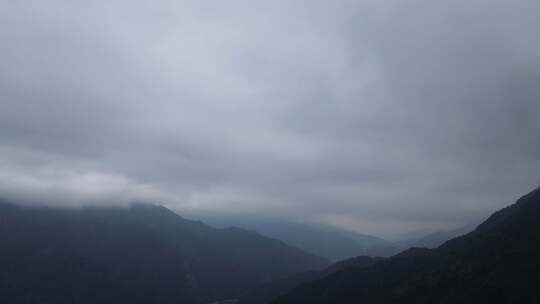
x=380, y=117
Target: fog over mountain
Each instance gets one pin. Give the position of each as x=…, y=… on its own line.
x=332, y=243
x=138, y=254
x=377, y=116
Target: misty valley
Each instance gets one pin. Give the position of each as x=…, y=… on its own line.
x=149, y=254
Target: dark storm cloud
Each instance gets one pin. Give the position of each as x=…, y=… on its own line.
x=375, y=116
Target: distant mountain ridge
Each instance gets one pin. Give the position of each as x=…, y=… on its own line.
x=140, y=254
x=498, y=262
x=326, y=241
x=437, y=238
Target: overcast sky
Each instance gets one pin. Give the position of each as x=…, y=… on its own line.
x=379, y=116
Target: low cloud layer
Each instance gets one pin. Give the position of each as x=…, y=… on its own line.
x=376, y=116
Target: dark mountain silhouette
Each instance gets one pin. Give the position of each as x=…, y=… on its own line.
x=269, y=291
x=141, y=254
x=326, y=241
x=499, y=262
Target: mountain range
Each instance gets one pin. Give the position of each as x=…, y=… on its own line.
x=498, y=262
x=149, y=254
x=140, y=254
x=332, y=243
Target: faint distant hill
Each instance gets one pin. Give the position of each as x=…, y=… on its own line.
x=498, y=262
x=141, y=254
x=329, y=242
x=437, y=238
